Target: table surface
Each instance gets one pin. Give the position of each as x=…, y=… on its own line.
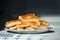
x=45, y=36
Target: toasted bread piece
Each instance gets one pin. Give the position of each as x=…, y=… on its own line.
x=13, y=27
x=12, y=23
x=29, y=17
x=26, y=16
x=29, y=28
x=19, y=28
x=24, y=24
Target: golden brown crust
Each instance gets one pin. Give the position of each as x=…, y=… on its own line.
x=28, y=17
x=12, y=23
x=19, y=28
x=28, y=22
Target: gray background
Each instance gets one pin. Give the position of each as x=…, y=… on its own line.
x=43, y=7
